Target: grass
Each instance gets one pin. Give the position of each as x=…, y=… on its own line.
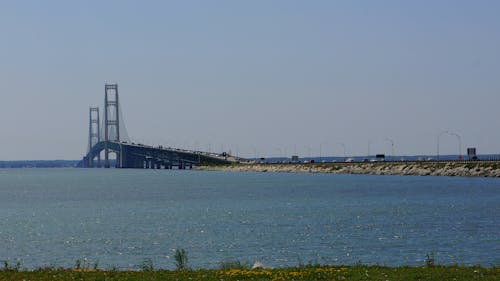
x=357, y=272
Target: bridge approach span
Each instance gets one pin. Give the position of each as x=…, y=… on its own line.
x=129, y=155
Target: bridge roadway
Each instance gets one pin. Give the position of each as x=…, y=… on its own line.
x=131, y=155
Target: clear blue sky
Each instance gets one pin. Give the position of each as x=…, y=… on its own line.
x=253, y=76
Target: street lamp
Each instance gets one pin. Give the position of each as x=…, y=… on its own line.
x=320, y=151
x=438, y=136
x=320, y=146
x=459, y=144
x=369, y=144
x=343, y=145
x=308, y=148
x=281, y=152
x=392, y=145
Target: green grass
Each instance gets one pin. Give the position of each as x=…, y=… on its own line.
x=358, y=272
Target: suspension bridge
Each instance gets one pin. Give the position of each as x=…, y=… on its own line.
x=109, y=136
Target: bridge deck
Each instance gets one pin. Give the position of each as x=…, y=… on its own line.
x=131, y=155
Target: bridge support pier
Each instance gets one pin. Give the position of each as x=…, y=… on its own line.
x=87, y=162
x=139, y=163
x=106, y=157
x=118, y=163
x=91, y=162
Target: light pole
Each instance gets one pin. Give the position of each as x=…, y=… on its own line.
x=321, y=151
x=438, y=136
x=459, y=144
x=343, y=146
x=392, y=145
x=369, y=144
x=325, y=143
x=281, y=152
x=308, y=148
x=320, y=147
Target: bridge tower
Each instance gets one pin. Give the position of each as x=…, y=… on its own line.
x=111, y=120
x=94, y=133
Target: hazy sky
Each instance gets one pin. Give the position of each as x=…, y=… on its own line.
x=256, y=77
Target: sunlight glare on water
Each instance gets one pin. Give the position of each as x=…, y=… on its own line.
x=121, y=217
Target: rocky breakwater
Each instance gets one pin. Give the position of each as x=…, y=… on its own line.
x=459, y=169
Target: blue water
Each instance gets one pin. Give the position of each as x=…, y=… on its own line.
x=121, y=217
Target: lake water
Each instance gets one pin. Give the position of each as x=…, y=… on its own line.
x=121, y=217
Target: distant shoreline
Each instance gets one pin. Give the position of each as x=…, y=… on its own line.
x=453, y=169
x=6, y=164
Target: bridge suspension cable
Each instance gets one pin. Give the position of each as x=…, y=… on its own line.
x=123, y=129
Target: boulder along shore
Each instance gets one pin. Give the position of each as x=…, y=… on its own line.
x=459, y=169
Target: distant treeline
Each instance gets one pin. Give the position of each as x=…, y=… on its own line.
x=39, y=164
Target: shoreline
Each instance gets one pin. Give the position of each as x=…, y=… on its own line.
x=449, y=169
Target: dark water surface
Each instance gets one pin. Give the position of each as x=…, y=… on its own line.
x=121, y=217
